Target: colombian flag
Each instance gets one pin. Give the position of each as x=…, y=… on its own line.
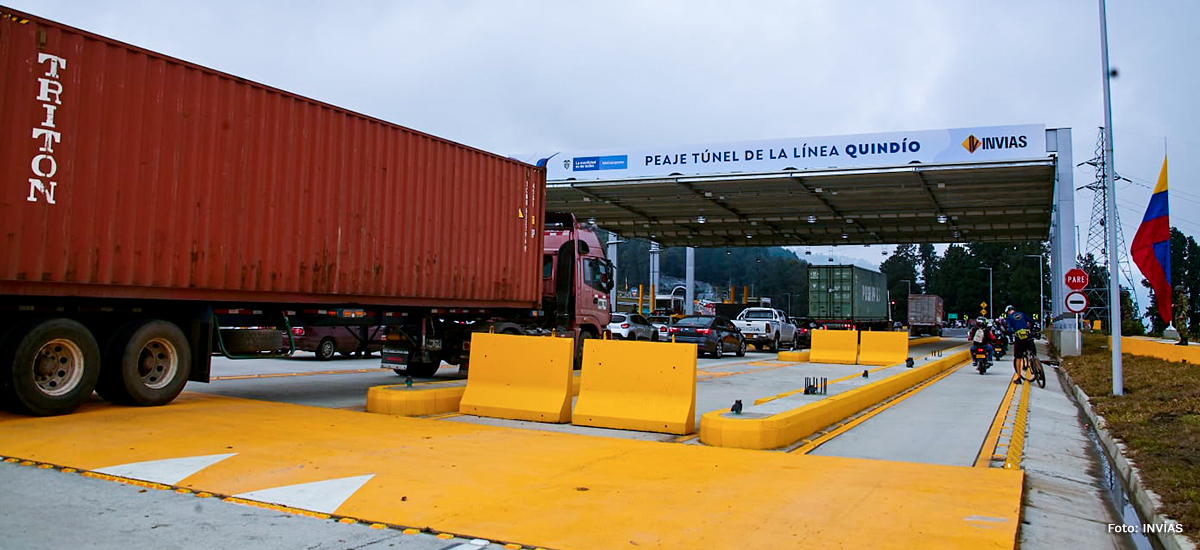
x=1151, y=248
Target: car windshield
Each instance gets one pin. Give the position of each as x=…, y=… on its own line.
x=618, y=319
x=694, y=322
x=760, y=314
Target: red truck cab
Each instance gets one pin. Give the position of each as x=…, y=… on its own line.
x=587, y=296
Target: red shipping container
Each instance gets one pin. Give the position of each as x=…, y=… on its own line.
x=129, y=174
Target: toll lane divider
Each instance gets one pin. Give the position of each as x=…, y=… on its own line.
x=424, y=400
x=519, y=378
x=1167, y=351
x=795, y=356
x=748, y=431
x=882, y=348
x=400, y=400
x=925, y=340
x=834, y=346
x=644, y=386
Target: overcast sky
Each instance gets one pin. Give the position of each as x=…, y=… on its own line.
x=525, y=76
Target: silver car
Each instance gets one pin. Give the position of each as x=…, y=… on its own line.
x=631, y=326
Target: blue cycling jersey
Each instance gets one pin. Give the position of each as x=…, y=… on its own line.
x=1017, y=321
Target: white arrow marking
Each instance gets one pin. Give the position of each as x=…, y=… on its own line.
x=318, y=496
x=169, y=471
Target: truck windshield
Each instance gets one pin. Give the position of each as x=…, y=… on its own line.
x=760, y=314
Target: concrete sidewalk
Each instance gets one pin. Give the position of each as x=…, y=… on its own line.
x=1065, y=503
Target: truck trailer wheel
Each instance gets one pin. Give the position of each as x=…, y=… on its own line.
x=147, y=363
x=48, y=367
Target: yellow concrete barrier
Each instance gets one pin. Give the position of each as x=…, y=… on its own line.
x=400, y=400
x=834, y=346
x=519, y=378
x=724, y=429
x=644, y=386
x=797, y=356
x=1167, y=351
x=925, y=340
x=424, y=399
x=882, y=348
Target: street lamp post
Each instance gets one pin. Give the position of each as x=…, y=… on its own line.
x=991, y=301
x=1041, y=291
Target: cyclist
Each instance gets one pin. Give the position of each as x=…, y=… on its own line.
x=1019, y=323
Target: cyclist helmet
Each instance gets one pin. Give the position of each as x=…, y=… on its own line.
x=1009, y=308
x=981, y=322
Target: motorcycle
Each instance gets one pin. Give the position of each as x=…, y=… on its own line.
x=982, y=360
x=1001, y=346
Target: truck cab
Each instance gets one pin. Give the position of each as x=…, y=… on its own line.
x=576, y=276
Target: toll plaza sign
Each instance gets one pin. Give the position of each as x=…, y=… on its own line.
x=992, y=143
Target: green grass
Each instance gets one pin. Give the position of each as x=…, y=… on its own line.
x=1158, y=419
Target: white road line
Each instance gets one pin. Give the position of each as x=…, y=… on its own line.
x=169, y=471
x=319, y=496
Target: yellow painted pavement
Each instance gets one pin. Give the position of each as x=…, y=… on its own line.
x=541, y=488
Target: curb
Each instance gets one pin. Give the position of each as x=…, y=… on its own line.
x=761, y=431
x=1144, y=501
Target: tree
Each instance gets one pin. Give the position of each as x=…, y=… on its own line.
x=901, y=266
x=1097, y=289
x=1130, y=325
x=959, y=282
x=929, y=264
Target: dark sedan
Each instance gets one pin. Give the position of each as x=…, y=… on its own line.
x=712, y=335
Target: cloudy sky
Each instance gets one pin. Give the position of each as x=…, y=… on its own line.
x=522, y=76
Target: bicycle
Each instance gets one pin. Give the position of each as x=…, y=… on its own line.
x=1031, y=369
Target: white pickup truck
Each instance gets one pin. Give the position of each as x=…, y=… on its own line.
x=767, y=329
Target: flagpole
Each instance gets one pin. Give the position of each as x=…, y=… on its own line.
x=1114, y=279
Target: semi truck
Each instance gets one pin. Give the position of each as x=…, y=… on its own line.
x=155, y=212
x=925, y=314
x=847, y=297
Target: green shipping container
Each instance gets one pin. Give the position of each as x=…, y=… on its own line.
x=846, y=293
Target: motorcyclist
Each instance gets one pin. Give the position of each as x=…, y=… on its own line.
x=1000, y=331
x=982, y=335
x=1018, y=322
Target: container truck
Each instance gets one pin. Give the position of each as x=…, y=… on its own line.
x=847, y=297
x=152, y=209
x=925, y=314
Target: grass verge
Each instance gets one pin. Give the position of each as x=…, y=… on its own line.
x=1158, y=419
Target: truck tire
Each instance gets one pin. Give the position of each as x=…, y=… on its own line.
x=239, y=341
x=509, y=328
x=146, y=364
x=48, y=367
x=326, y=349
x=774, y=344
x=584, y=334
